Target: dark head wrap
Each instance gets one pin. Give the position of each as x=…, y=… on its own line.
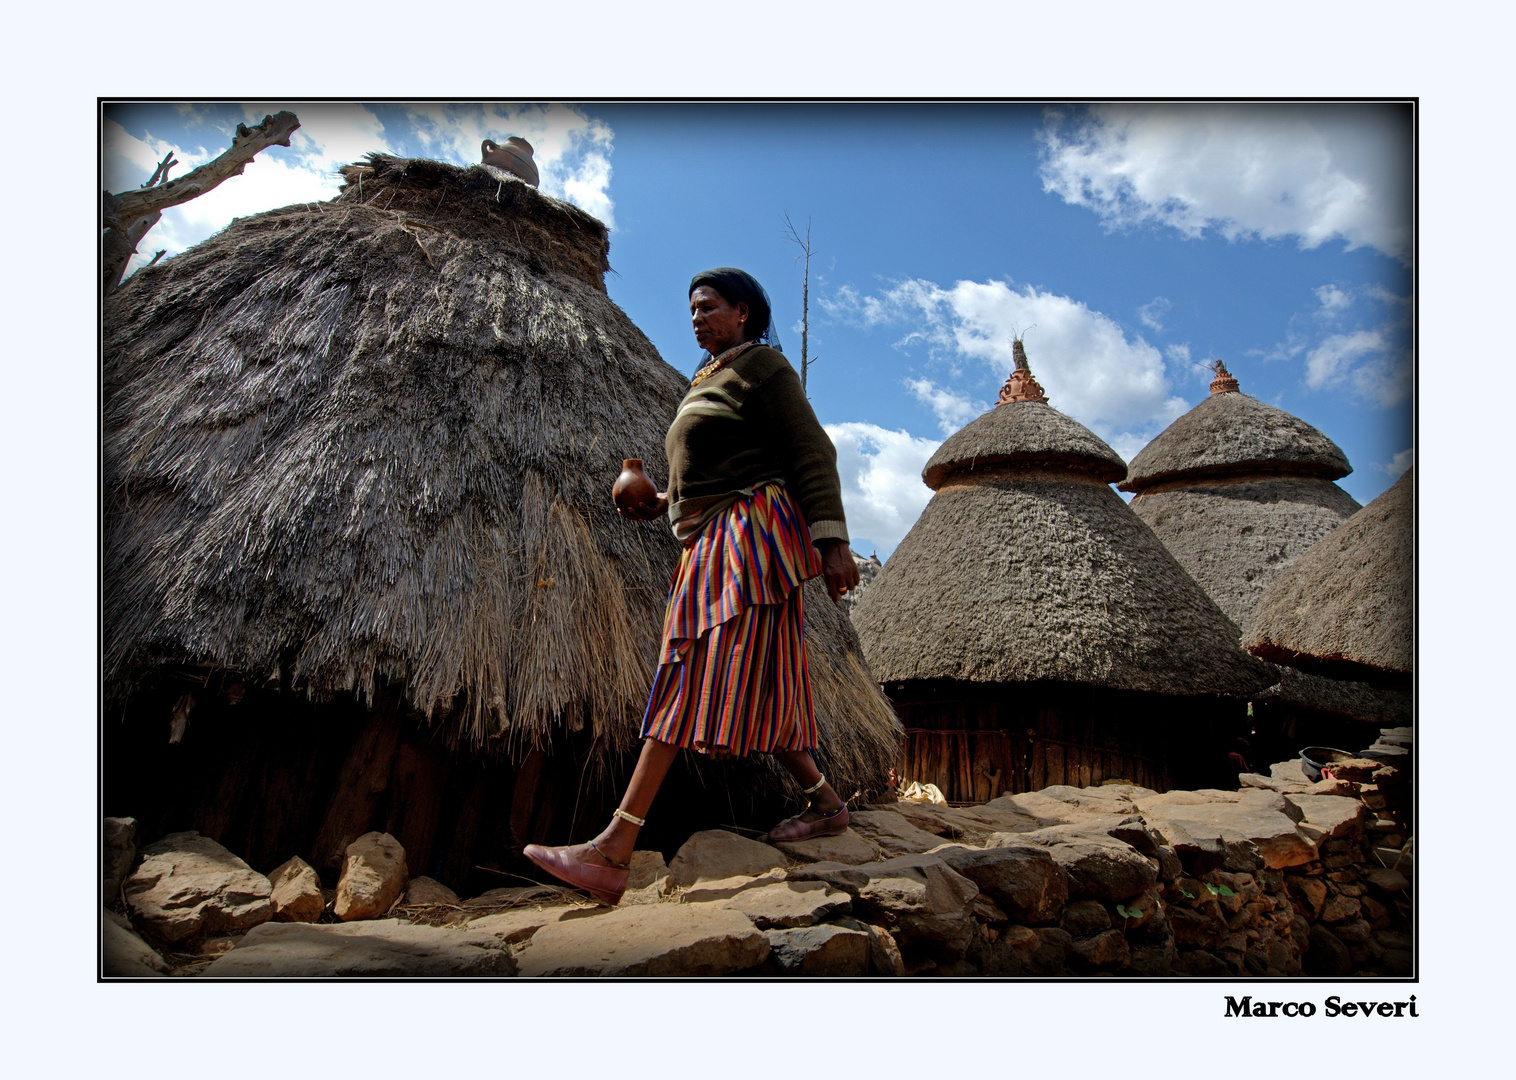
x=740, y=287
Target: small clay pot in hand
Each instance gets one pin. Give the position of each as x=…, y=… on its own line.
x=633, y=490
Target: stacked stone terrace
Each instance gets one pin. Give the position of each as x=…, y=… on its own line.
x=1283, y=877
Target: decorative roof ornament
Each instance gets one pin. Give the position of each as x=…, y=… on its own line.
x=1020, y=386
x=1224, y=382
x=515, y=157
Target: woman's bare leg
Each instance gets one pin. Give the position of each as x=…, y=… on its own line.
x=618, y=839
x=803, y=767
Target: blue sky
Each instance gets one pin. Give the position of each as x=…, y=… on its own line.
x=1130, y=243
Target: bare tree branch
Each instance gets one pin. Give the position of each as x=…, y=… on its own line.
x=128, y=216
x=161, y=172
x=805, y=296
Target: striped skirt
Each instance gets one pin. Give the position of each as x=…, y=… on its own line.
x=732, y=674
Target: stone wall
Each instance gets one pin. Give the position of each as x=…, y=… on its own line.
x=1282, y=877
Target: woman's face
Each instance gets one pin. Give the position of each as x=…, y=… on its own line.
x=719, y=326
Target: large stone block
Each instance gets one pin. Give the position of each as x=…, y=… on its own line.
x=372, y=879
x=786, y=904
x=819, y=951
x=1271, y=832
x=849, y=847
x=716, y=853
x=1110, y=871
x=893, y=833
x=1336, y=816
x=374, y=948
x=1025, y=881
x=296, y=891
x=651, y=939
x=189, y=885
x=919, y=898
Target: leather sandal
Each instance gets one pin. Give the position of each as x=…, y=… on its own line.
x=795, y=828
x=604, y=883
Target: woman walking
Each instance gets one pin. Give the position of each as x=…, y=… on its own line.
x=755, y=498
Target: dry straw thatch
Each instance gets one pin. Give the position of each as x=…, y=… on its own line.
x=371, y=442
x=1235, y=536
x=1345, y=608
x=1256, y=498
x=1229, y=434
x=1026, y=566
x=1238, y=490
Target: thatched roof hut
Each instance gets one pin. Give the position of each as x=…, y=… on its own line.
x=1237, y=490
x=1026, y=571
x=1345, y=607
x=364, y=448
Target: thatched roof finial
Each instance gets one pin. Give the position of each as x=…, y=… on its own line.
x=1020, y=386
x=1224, y=382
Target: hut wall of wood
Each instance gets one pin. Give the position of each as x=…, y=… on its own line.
x=978, y=742
x=271, y=774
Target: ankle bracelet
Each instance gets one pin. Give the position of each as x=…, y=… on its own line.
x=624, y=816
x=817, y=786
x=607, y=858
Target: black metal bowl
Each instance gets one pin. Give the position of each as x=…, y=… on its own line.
x=1314, y=758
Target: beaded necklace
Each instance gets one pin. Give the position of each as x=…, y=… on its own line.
x=720, y=362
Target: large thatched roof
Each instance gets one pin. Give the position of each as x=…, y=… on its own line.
x=1031, y=568
x=1231, y=434
x=373, y=440
x=1234, y=536
x=1344, y=608
x=1031, y=434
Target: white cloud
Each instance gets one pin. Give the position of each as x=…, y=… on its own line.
x=1089, y=368
x=1313, y=172
x=1153, y=311
x=846, y=305
x=882, y=490
x=1399, y=463
x=329, y=137
x=571, y=150
x=1369, y=361
x=952, y=410
x=1333, y=301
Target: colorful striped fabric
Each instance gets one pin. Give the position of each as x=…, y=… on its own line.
x=732, y=674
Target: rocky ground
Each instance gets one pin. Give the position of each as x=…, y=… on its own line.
x=1282, y=877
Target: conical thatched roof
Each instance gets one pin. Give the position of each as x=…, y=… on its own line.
x=372, y=440
x=1344, y=608
x=1231, y=434
x=1027, y=566
x=1236, y=532
x=1235, y=536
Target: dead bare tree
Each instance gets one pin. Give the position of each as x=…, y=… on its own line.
x=127, y=217
x=805, y=295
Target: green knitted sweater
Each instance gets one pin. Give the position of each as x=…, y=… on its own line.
x=742, y=427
